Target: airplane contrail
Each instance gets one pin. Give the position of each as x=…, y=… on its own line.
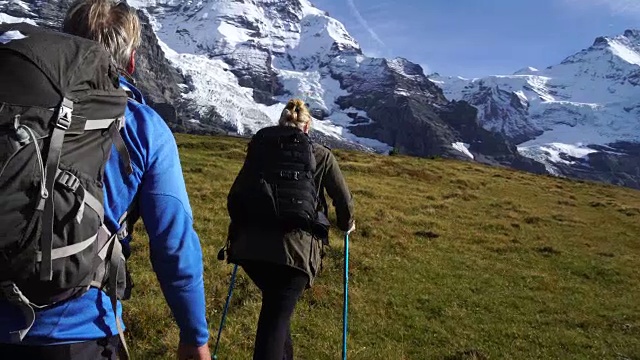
x=364, y=22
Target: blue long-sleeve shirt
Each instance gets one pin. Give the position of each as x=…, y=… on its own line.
x=175, y=250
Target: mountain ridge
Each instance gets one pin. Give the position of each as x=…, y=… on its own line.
x=579, y=117
x=232, y=64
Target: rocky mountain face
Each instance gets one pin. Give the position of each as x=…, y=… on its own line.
x=228, y=66
x=617, y=163
x=581, y=118
x=155, y=76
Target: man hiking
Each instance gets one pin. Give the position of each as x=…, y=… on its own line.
x=142, y=178
x=278, y=220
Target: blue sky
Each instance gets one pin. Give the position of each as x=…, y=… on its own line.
x=474, y=38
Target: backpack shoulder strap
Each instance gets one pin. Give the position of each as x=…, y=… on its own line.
x=121, y=147
x=62, y=123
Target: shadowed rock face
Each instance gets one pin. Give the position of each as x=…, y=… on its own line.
x=251, y=64
x=156, y=78
x=617, y=163
x=410, y=113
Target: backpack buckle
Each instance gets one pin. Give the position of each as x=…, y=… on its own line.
x=64, y=114
x=291, y=175
x=69, y=181
x=123, y=232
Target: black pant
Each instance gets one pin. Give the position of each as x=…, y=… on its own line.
x=101, y=349
x=281, y=288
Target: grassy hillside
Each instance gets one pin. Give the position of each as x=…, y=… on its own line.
x=451, y=260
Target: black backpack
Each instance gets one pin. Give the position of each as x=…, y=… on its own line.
x=61, y=110
x=280, y=188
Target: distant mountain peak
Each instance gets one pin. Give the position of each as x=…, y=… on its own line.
x=529, y=70
x=405, y=67
x=588, y=101
x=632, y=34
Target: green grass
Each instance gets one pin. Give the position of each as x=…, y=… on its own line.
x=451, y=260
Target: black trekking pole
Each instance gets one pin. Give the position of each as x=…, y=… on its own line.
x=224, y=312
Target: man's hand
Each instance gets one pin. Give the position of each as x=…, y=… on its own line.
x=353, y=227
x=192, y=352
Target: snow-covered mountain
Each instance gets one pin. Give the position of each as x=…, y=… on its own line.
x=580, y=117
x=229, y=65
x=245, y=58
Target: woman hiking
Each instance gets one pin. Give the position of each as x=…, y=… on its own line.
x=278, y=220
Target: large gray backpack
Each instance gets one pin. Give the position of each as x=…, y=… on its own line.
x=61, y=109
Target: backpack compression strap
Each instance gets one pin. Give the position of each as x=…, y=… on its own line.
x=51, y=172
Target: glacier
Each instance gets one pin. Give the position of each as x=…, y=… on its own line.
x=201, y=38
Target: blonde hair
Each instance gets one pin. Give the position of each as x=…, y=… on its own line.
x=295, y=114
x=114, y=25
